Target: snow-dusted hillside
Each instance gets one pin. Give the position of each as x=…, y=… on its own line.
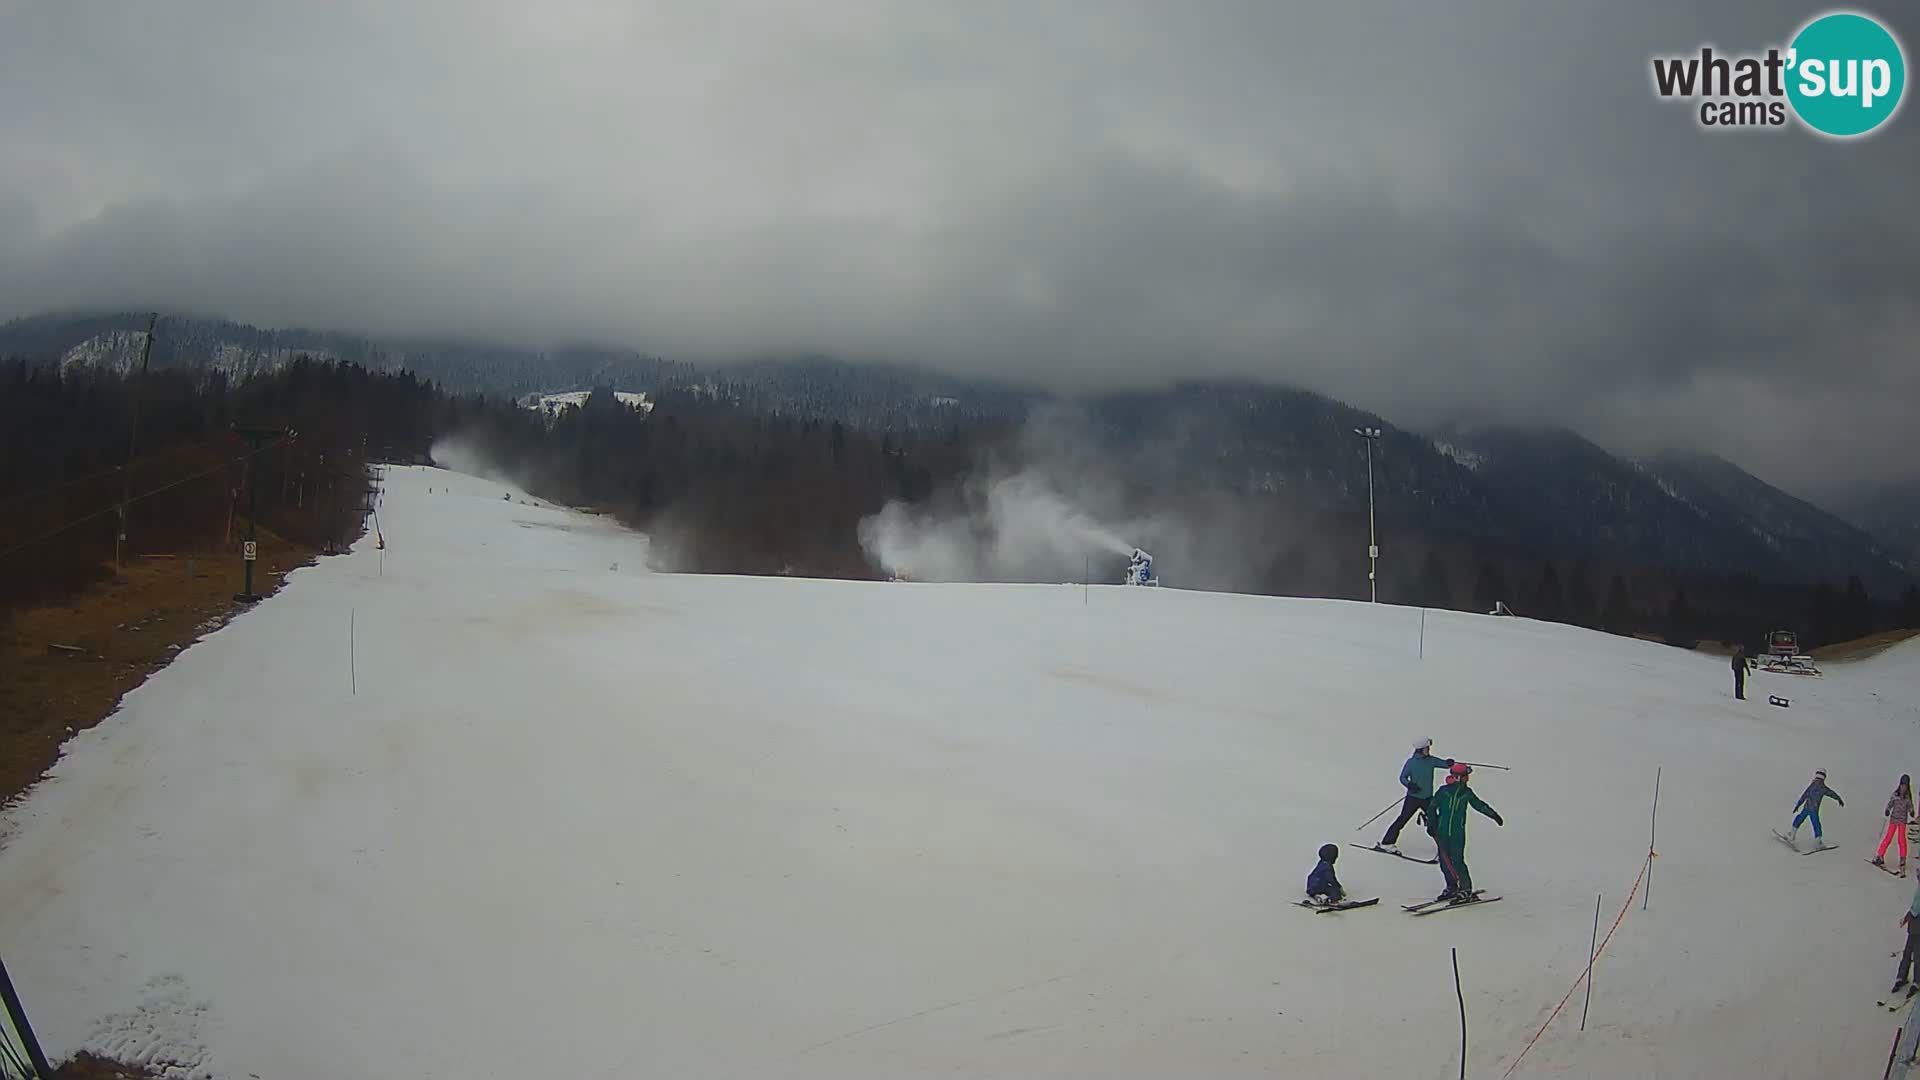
x=119, y=351
x=555, y=404
x=500, y=802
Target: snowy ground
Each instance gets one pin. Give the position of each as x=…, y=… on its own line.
x=547, y=817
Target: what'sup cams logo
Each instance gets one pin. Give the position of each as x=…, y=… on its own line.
x=1842, y=75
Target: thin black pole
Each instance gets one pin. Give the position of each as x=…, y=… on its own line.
x=1484, y=765
x=1379, y=815
x=19, y=1014
x=1423, y=633
x=353, y=671
x=1463, y=1013
x=1592, y=950
x=1652, y=824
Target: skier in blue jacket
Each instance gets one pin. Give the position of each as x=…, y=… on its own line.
x=1322, y=886
x=1417, y=777
x=1808, y=808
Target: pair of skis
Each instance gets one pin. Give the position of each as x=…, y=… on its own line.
x=1344, y=905
x=1395, y=854
x=1427, y=908
x=1782, y=837
x=1896, y=1001
x=1885, y=869
x=1431, y=906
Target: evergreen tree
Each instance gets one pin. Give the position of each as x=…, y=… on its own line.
x=1434, y=589
x=1857, y=611
x=1618, y=616
x=1581, y=608
x=1490, y=588
x=1549, y=599
x=1683, y=626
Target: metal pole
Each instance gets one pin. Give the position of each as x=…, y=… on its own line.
x=1457, y=992
x=253, y=518
x=1592, y=950
x=1652, y=824
x=1373, y=542
x=1379, y=815
x=1423, y=633
x=19, y=1014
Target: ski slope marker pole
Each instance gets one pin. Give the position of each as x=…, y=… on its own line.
x=1653, y=822
x=1379, y=815
x=1592, y=951
x=1463, y=1013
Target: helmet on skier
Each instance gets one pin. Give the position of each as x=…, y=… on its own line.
x=1819, y=774
x=1423, y=744
x=1329, y=852
x=1460, y=771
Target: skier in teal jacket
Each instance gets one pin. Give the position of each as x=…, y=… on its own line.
x=1417, y=777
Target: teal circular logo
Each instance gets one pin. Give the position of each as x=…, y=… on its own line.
x=1847, y=74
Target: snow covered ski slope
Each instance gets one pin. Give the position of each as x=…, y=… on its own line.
x=542, y=816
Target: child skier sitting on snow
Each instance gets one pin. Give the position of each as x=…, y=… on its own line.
x=1322, y=886
x=1809, y=805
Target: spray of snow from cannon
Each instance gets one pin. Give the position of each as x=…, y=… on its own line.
x=1060, y=503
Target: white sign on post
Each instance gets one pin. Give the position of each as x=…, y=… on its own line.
x=248, y=550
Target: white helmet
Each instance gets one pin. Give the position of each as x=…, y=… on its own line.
x=1423, y=744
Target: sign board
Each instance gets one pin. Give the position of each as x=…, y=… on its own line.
x=248, y=550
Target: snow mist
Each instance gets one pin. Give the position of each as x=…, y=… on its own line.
x=1063, y=500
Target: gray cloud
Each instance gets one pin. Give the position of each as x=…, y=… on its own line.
x=1437, y=211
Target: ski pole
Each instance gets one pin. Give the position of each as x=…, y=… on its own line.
x=1379, y=815
x=1484, y=765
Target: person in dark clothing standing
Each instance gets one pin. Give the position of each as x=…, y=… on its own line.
x=1911, y=920
x=1740, y=672
x=1417, y=777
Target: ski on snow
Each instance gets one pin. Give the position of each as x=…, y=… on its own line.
x=1344, y=905
x=1885, y=869
x=1435, y=903
x=1437, y=908
x=1395, y=854
x=1782, y=837
x=1898, y=1001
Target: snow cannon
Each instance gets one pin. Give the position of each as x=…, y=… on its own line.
x=1140, y=569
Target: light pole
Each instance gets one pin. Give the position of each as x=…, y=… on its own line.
x=1371, y=435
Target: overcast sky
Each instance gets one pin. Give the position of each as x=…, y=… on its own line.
x=1426, y=209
